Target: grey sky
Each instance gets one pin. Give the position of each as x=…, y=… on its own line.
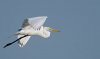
x=78, y=20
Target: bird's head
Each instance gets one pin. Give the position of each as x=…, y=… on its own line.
x=51, y=29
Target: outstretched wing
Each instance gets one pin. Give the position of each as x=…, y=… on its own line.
x=23, y=41
x=34, y=22
x=15, y=41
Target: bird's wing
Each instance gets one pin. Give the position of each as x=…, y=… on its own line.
x=23, y=41
x=25, y=23
x=35, y=22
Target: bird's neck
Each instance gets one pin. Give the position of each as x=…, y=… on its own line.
x=45, y=32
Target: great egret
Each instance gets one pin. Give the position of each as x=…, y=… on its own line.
x=32, y=26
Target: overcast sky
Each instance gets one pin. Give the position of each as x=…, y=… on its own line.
x=78, y=20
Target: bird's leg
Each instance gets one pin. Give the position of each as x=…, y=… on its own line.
x=14, y=41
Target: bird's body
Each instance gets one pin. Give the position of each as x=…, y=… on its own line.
x=33, y=26
x=30, y=31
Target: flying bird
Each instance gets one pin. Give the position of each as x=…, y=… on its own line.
x=32, y=26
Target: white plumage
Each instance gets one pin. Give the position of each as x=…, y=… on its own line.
x=23, y=41
x=32, y=26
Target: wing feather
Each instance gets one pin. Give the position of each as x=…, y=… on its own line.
x=23, y=41
x=34, y=22
x=25, y=23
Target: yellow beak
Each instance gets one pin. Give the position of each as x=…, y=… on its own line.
x=54, y=30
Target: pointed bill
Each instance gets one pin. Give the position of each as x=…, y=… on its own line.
x=53, y=30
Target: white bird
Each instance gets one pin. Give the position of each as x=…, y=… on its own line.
x=32, y=26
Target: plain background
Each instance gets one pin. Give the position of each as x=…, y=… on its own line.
x=78, y=21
